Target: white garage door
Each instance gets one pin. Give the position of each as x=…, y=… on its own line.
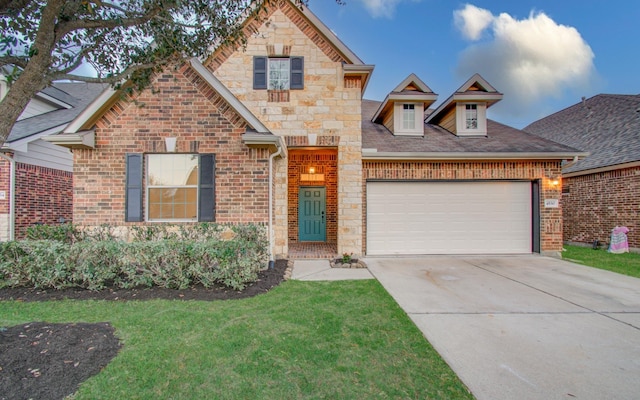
x=449, y=218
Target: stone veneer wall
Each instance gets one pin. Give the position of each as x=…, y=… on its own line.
x=328, y=106
x=181, y=104
x=596, y=203
x=550, y=218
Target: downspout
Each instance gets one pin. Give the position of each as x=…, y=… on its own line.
x=271, y=238
x=12, y=195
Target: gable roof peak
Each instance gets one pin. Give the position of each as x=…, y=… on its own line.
x=476, y=83
x=412, y=82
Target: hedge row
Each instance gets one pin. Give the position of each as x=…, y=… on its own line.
x=164, y=262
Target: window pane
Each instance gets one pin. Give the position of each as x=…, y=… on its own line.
x=279, y=73
x=169, y=196
x=174, y=203
x=471, y=116
x=172, y=169
x=408, y=116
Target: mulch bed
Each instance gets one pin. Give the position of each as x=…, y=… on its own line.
x=40, y=360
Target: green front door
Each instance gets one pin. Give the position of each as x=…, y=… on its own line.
x=312, y=224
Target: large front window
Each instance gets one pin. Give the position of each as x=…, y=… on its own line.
x=172, y=187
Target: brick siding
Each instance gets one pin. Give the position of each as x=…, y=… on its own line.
x=43, y=195
x=180, y=104
x=550, y=218
x=594, y=204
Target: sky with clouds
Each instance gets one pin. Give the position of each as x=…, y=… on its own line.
x=543, y=55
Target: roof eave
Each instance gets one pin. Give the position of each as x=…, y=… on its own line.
x=364, y=71
x=77, y=140
x=261, y=141
x=373, y=154
x=332, y=37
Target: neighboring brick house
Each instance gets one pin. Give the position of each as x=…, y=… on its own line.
x=42, y=172
x=601, y=191
x=277, y=133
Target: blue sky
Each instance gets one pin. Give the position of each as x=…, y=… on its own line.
x=543, y=55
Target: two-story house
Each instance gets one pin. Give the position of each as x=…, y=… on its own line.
x=278, y=133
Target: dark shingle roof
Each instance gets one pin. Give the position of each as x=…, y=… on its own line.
x=77, y=94
x=606, y=125
x=500, y=139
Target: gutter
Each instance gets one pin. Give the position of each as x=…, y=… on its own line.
x=373, y=154
x=12, y=195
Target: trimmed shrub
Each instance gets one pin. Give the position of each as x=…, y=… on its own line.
x=163, y=256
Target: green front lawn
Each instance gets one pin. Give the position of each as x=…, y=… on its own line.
x=627, y=263
x=302, y=340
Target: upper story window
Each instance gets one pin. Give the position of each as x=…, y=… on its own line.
x=408, y=116
x=471, y=116
x=278, y=73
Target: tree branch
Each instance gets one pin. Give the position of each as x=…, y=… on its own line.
x=11, y=60
x=119, y=77
x=64, y=28
x=9, y=6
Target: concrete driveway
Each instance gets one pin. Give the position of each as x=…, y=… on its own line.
x=524, y=327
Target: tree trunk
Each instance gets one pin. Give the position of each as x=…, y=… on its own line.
x=35, y=76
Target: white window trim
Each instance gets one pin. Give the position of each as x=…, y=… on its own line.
x=398, y=117
x=461, y=119
x=148, y=186
x=269, y=59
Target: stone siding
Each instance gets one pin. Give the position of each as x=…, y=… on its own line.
x=328, y=106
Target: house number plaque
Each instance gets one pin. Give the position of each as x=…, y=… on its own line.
x=551, y=203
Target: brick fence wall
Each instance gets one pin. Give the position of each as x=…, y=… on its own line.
x=43, y=195
x=596, y=203
x=550, y=218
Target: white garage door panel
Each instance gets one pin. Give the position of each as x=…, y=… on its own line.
x=448, y=217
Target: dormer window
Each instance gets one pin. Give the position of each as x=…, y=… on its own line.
x=471, y=116
x=408, y=117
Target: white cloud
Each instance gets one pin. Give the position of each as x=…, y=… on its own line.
x=528, y=60
x=381, y=8
x=472, y=20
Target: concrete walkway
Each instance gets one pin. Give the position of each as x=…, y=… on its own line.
x=320, y=270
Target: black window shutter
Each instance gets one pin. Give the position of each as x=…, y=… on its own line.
x=207, y=188
x=133, y=192
x=297, y=73
x=259, y=72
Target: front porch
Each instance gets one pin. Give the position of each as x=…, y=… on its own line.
x=313, y=201
x=313, y=250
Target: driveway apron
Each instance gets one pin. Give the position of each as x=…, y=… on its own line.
x=524, y=327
